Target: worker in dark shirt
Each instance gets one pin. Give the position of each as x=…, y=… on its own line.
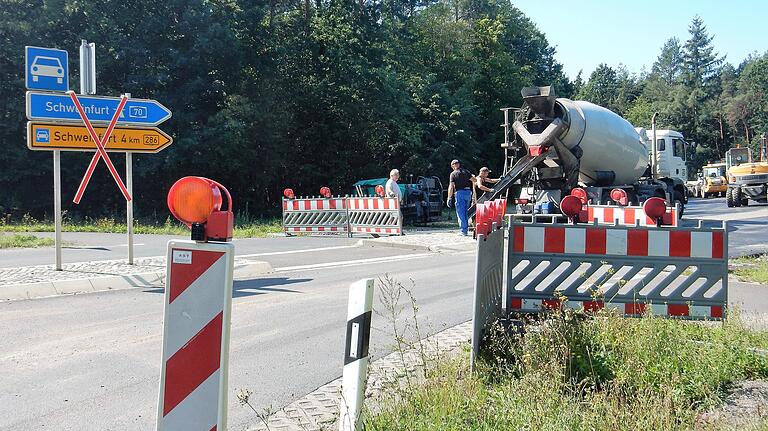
x=460, y=193
x=483, y=183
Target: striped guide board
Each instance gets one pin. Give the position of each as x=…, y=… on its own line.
x=196, y=324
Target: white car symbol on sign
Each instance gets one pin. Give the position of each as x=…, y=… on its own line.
x=47, y=66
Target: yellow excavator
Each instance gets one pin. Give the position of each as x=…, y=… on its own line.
x=747, y=180
x=713, y=181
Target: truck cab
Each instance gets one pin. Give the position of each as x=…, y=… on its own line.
x=748, y=180
x=670, y=153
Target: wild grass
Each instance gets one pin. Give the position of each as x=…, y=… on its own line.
x=751, y=268
x=245, y=226
x=575, y=373
x=23, y=241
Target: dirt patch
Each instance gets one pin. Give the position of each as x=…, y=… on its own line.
x=746, y=407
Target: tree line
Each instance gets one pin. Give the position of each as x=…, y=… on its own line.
x=696, y=91
x=268, y=94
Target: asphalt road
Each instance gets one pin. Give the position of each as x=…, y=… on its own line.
x=747, y=226
x=92, y=362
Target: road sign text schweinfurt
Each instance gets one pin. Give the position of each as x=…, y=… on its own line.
x=59, y=107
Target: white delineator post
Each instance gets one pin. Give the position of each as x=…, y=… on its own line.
x=196, y=326
x=356, y=353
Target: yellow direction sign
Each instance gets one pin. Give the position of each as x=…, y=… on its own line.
x=53, y=136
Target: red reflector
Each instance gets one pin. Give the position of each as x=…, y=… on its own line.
x=571, y=206
x=581, y=194
x=655, y=208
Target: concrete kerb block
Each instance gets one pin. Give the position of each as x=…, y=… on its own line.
x=27, y=291
x=147, y=279
x=250, y=269
x=68, y=287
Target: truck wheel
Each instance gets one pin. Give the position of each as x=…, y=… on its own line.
x=729, y=198
x=737, y=197
x=679, y=201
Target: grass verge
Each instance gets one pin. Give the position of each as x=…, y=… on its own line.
x=245, y=227
x=23, y=241
x=751, y=268
x=572, y=373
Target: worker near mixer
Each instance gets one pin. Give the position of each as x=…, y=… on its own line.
x=483, y=184
x=392, y=190
x=460, y=193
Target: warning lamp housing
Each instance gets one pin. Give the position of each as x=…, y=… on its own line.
x=380, y=190
x=197, y=202
x=581, y=194
x=620, y=196
x=289, y=194
x=325, y=192
x=655, y=208
x=571, y=206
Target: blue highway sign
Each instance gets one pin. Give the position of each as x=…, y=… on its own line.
x=59, y=107
x=47, y=69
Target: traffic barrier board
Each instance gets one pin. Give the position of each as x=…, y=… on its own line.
x=69, y=137
x=196, y=327
x=59, y=107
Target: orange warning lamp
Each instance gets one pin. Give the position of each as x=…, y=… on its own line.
x=655, y=208
x=325, y=192
x=380, y=190
x=571, y=207
x=197, y=202
x=289, y=194
x=620, y=196
x=581, y=194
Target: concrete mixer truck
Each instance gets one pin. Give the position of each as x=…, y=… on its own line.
x=570, y=144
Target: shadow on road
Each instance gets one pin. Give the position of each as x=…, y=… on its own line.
x=260, y=286
x=256, y=286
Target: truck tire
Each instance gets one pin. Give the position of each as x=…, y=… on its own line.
x=679, y=201
x=737, y=197
x=729, y=198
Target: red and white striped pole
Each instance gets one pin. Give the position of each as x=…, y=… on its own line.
x=196, y=323
x=356, y=353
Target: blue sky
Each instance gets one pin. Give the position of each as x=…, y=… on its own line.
x=588, y=32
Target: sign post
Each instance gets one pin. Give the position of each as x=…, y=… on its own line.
x=48, y=69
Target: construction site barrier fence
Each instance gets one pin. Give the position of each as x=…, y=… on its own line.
x=342, y=215
x=489, y=280
x=630, y=215
x=670, y=272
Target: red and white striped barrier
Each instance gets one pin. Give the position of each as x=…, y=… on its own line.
x=310, y=215
x=349, y=215
x=532, y=305
x=675, y=272
x=596, y=240
x=374, y=215
x=628, y=216
x=196, y=324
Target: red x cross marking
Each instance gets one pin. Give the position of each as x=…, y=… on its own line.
x=101, y=152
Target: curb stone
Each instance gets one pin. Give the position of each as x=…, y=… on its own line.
x=243, y=270
x=319, y=410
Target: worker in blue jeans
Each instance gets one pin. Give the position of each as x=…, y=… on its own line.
x=460, y=188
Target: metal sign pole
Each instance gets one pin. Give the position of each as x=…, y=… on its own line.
x=129, y=204
x=57, y=205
